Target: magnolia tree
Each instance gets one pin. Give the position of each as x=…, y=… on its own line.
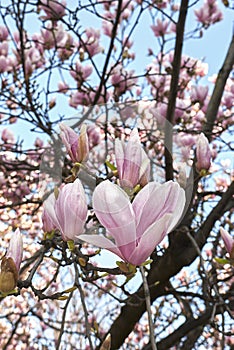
x=116, y=177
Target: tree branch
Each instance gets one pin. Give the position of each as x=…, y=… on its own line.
x=215, y=99
x=185, y=329
x=174, y=88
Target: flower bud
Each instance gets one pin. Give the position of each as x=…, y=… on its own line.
x=203, y=153
x=8, y=275
x=228, y=241
x=10, y=263
x=106, y=345
x=77, y=146
x=132, y=162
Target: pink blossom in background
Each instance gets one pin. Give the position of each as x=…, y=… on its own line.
x=161, y=28
x=38, y=143
x=122, y=80
x=107, y=28
x=228, y=100
x=4, y=48
x=91, y=42
x=203, y=153
x=47, y=38
x=3, y=64
x=68, y=211
x=79, y=98
x=77, y=146
x=54, y=9
x=94, y=135
x=66, y=46
x=7, y=136
x=228, y=241
x=81, y=72
x=133, y=164
x=63, y=87
x=3, y=33
x=199, y=93
x=209, y=13
x=139, y=226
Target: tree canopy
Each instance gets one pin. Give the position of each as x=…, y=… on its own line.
x=116, y=173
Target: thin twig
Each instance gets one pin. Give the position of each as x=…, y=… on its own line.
x=63, y=321
x=82, y=298
x=148, y=308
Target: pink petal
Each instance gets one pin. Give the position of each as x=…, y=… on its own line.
x=150, y=239
x=49, y=207
x=156, y=200
x=114, y=211
x=68, y=135
x=15, y=250
x=228, y=240
x=71, y=209
x=119, y=155
x=101, y=242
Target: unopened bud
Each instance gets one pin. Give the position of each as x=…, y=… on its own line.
x=8, y=275
x=107, y=343
x=203, y=153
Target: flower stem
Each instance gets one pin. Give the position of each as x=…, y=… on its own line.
x=148, y=308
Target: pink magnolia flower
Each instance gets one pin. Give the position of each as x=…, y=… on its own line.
x=137, y=227
x=107, y=27
x=66, y=47
x=4, y=48
x=94, y=135
x=38, y=142
x=199, y=93
x=8, y=136
x=161, y=28
x=80, y=98
x=54, y=9
x=68, y=211
x=133, y=165
x=122, y=80
x=228, y=241
x=80, y=72
x=3, y=64
x=228, y=100
x=91, y=42
x=3, y=33
x=203, y=153
x=77, y=146
x=63, y=87
x=209, y=13
x=10, y=263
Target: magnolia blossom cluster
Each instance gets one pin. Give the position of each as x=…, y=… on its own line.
x=80, y=53
x=135, y=221
x=209, y=13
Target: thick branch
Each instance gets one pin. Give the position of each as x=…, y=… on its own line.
x=174, y=88
x=215, y=100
